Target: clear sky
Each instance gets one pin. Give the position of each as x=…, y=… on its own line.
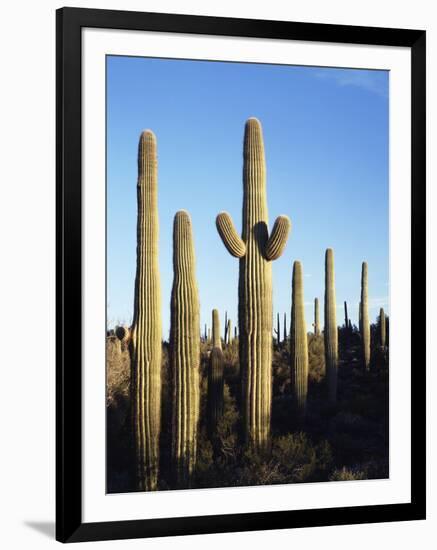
x=326, y=144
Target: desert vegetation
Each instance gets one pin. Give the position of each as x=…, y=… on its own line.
x=251, y=404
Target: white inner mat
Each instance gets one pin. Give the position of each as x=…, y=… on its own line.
x=97, y=506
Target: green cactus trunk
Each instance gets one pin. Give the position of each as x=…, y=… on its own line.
x=256, y=250
x=216, y=338
x=316, y=317
x=298, y=343
x=184, y=351
x=144, y=336
x=382, y=333
x=215, y=390
x=365, y=323
x=331, y=332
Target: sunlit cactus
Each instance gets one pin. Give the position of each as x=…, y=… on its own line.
x=215, y=389
x=382, y=333
x=144, y=336
x=331, y=332
x=229, y=332
x=255, y=249
x=184, y=351
x=298, y=343
x=216, y=339
x=316, y=317
x=365, y=323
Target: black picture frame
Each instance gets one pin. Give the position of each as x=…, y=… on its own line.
x=69, y=525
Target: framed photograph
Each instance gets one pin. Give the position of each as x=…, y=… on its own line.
x=219, y=370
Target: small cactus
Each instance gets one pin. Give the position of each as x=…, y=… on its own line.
x=298, y=343
x=278, y=329
x=382, y=333
x=216, y=339
x=184, y=351
x=255, y=249
x=229, y=342
x=346, y=318
x=215, y=389
x=285, y=328
x=365, y=323
x=330, y=333
x=316, y=317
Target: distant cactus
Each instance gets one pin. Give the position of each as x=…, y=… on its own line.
x=229, y=342
x=216, y=338
x=225, y=335
x=331, y=332
x=360, y=324
x=255, y=249
x=382, y=327
x=235, y=333
x=316, y=317
x=285, y=328
x=298, y=342
x=205, y=334
x=278, y=329
x=365, y=323
x=209, y=336
x=184, y=351
x=215, y=389
x=144, y=336
x=346, y=318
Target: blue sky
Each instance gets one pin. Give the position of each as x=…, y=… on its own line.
x=326, y=143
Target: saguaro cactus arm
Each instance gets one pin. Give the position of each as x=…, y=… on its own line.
x=232, y=241
x=278, y=238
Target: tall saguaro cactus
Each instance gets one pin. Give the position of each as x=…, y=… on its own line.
x=365, y=323
x=215, y=389
x=216, y=338
x=298, y=342
x=331, y=332
x=382, y=332
x=316, y=317
x=184, y=351
x=144, y=336
x=255, y=250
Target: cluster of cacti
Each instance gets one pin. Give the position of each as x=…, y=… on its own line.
x=298, y=342
x=184, y=351
x=365, y=324
x=144, y=336
x=331, y=332
x=255, y=250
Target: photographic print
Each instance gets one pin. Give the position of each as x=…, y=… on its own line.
x=247, y=226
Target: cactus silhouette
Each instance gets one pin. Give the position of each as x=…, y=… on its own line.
x=144, y=336
x=316, y=317
x=278, y=329
x=216, y=339
x=285, y=328
x=255, y=250
x=298, y=342
x=215, y=389
x=382, y=327
x=365, y=324
x=184, y=351
x=330, y=333
x=346, y=318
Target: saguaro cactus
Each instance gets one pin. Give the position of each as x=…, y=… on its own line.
x=215, y=389
x=216, y=338
x=278, y=330
x=229, y=332
x=298, y=342
x=346, y=318
x=285, y=328
x=365, y=324
x=255, y=249
x=184, y=351
x=144, y=336
x=331, y=332
x=316, y=317
x=382, y=327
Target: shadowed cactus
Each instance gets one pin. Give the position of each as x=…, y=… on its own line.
x=298, y=343
x=346, y=318
x=229, y=332
x=184, y=351
x=215, y=389
x=209, y=336
x=216, y=339
x=144, y=336
x=285, y=328
x=365, y=323
x=330, y=333
x=278, y=329
x=316, y=317
x=382, y=334
x=255, y=249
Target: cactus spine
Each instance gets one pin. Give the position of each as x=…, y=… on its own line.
x=365, y=324
x=382, y=327
x=316, y=317
x=216, y=339
x=184, y=351
x=144, y=336
x=255, y=250
x=330, y=333
x=298, y=342
x=215, y=389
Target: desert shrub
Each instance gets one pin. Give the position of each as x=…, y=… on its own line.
x=346, y=474
x=117, y=370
